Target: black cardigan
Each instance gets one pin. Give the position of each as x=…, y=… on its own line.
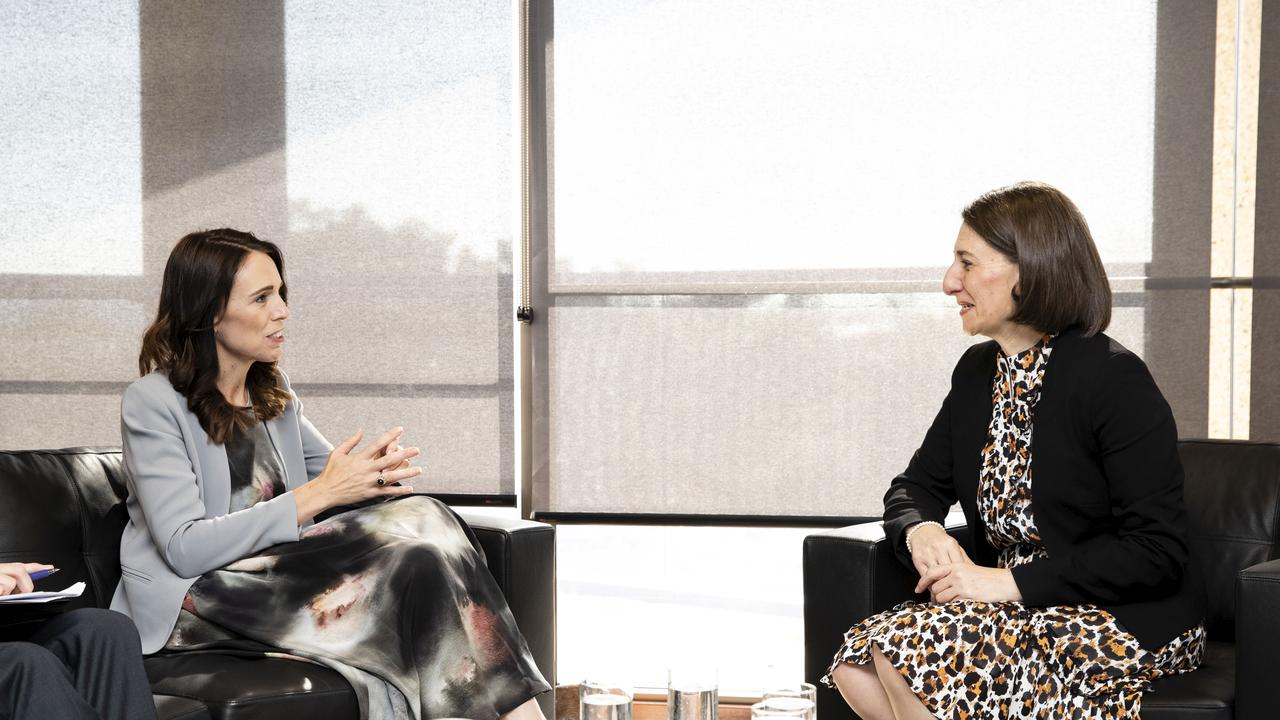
x=1106, y=493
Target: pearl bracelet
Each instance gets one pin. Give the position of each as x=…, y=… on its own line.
x=916, y=527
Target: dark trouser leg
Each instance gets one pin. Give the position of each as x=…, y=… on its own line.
x=102, y=651
x=35, y=684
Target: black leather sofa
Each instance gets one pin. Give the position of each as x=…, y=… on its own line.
x=1233, y=497
x=66, y=507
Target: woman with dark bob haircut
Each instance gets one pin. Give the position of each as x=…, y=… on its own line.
x=226, y=477
x=1076, y=590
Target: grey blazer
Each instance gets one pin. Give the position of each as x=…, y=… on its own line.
x=179, y=496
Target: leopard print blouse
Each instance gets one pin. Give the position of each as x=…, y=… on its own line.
x=1004, y=485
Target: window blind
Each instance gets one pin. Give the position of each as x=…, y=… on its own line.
x=373, y=143
x=753, y=206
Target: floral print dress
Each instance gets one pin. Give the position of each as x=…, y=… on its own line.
x=395, y=597
x=969, y=659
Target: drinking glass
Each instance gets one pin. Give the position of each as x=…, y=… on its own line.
x=802, y=691
x=783, y=707
x=600, y=701
x=692, y=694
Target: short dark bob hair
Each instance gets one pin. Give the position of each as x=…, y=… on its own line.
x=1061, y=281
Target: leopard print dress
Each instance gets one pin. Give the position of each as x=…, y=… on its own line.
x=968, y=659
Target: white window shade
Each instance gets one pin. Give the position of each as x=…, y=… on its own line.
x=70, y=140
x=754, y=204
x=768, y=405
x=400, y=215
x=721, y=137
x=373, y=143
x=71, y=248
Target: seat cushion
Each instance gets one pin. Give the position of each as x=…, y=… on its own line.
x=1209, y=693
x=169, y=707
x=236, y=687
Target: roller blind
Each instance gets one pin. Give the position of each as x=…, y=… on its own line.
x=754, y=204
x=371, y=141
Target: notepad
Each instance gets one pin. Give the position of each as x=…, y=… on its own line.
x=43, y=597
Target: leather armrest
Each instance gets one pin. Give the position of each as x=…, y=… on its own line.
x=850, y=574
x=521, y=555
x=1257, y=640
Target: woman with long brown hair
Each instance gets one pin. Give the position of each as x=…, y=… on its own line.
x=226, y=478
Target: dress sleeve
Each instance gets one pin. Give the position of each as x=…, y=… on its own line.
x=1147, y=554
x=925, y=490
x=162, y=479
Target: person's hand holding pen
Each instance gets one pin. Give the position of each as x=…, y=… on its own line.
x=17, y=577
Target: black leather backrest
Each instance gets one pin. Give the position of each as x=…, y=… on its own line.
x=1232, y=492
x=65, y=507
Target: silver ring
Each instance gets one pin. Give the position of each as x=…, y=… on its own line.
x=381, y=480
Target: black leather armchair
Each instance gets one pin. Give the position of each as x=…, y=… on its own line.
x=66, y=507
x=1233, y=497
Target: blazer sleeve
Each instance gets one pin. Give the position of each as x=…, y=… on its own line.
x=1147, y=554
x=162, y=479
x=925, y=490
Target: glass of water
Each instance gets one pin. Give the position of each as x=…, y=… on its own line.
x=783, y=707
x=692, y=694
x=800, y=691
x=601, y=701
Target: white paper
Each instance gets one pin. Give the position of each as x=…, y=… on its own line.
x=43, y=597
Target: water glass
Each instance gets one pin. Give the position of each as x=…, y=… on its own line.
x=801, y=691
x=692, y=694
x=598, y=701
x=783, y=707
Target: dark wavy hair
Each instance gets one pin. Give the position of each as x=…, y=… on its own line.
x=180, y=343
x=1061, y=281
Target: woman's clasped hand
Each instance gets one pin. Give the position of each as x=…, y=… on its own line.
x=947, y=573
x=931, y=545
x=351, y=476
x=966, y=581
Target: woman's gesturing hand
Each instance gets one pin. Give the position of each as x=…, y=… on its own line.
x=393, y=447
x=932, y=546
x=16, y=577
x=966, y=581
x=351, y=475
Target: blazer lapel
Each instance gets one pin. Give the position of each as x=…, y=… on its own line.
x=213, y=474
x=289, y=445
x=972, y=415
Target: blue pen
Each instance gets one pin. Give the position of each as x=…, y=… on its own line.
x=41, y=574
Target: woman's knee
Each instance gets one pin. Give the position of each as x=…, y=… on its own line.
x=883, y=667
x=852, y=679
